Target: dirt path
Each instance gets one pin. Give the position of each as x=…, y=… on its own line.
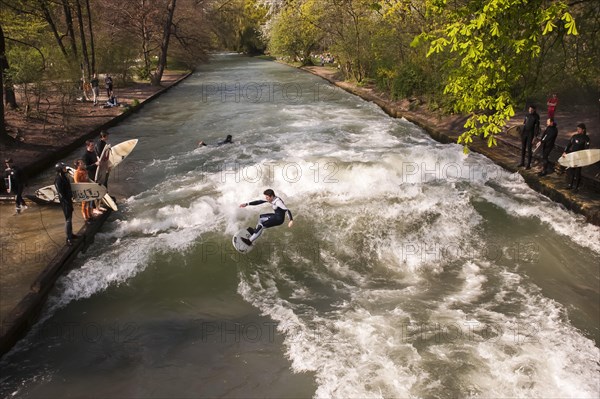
x=55, y=132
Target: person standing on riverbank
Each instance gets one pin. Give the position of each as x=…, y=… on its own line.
x=530, y=130
x=99, y=148
x=108, y=84
x=552, y=102
x=547, y=142
x=65, y=196
x=95, y=88
x=579, y=141
x=102, y=142
x=90, y=158
x=16, y=182
x=81, y=176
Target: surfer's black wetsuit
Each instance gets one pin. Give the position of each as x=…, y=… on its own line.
x=65, y=195
x=17, y=184
x=100, y=147
x=548, y=139
x=89, y=159
x=578, y=142
x=531, y=127
x=267, y=220
x=226, y=141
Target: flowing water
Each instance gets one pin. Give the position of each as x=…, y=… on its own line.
x=412, y=270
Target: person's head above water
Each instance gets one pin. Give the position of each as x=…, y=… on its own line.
x=228, y=139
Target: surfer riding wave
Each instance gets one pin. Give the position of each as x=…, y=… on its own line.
x=267, y=220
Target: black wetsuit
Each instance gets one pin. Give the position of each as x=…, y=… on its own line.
x=548, y=139
x=267, y=220
x=17, y=184
x=89, y=159
x=578, y=142
x=65, y=195
x=226, y=141
x=531, y=127
x=99, y=148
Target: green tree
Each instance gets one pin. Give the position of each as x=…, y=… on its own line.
x=238, y=25
x=295, y=32
x=490, y=44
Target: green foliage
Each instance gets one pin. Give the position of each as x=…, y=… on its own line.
x=251, y=42
x=406, y=80
x=294, y=31
x=493, y=44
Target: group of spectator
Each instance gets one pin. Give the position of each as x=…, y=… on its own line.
x=85, y=171
x=108, y=84
x=530, y=131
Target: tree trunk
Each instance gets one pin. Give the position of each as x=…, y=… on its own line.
x=162, y=61
x=84, y=53
x=91, y=33
x=70, y=30
x=50, y=20
x=4, y=137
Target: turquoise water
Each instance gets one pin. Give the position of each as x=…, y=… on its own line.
x=411, y=270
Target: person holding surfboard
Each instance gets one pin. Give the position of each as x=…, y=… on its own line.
x=90, y=158
x=81, y=176
x=579, y=141
x=530, y=130
x=547, y=142
x=15, y=183
x=65, y=195
x=102, y=142
x=267, y=220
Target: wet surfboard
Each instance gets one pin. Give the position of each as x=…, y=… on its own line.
x=239, y=245
x=81, y=192
x=103, y=165
x=120, y=151
x=581, y=158
x=49, y=196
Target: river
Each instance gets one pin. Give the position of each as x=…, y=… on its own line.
x=412, y=269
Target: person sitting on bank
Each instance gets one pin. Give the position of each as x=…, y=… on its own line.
x=112, y=102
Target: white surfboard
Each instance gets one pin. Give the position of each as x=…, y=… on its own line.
x=120, y=151
x=81, y=192
x=87, y=191
x=106, y=199
x=581, y=158
x=239, y=245
x=103, y=165
x=49, y=194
